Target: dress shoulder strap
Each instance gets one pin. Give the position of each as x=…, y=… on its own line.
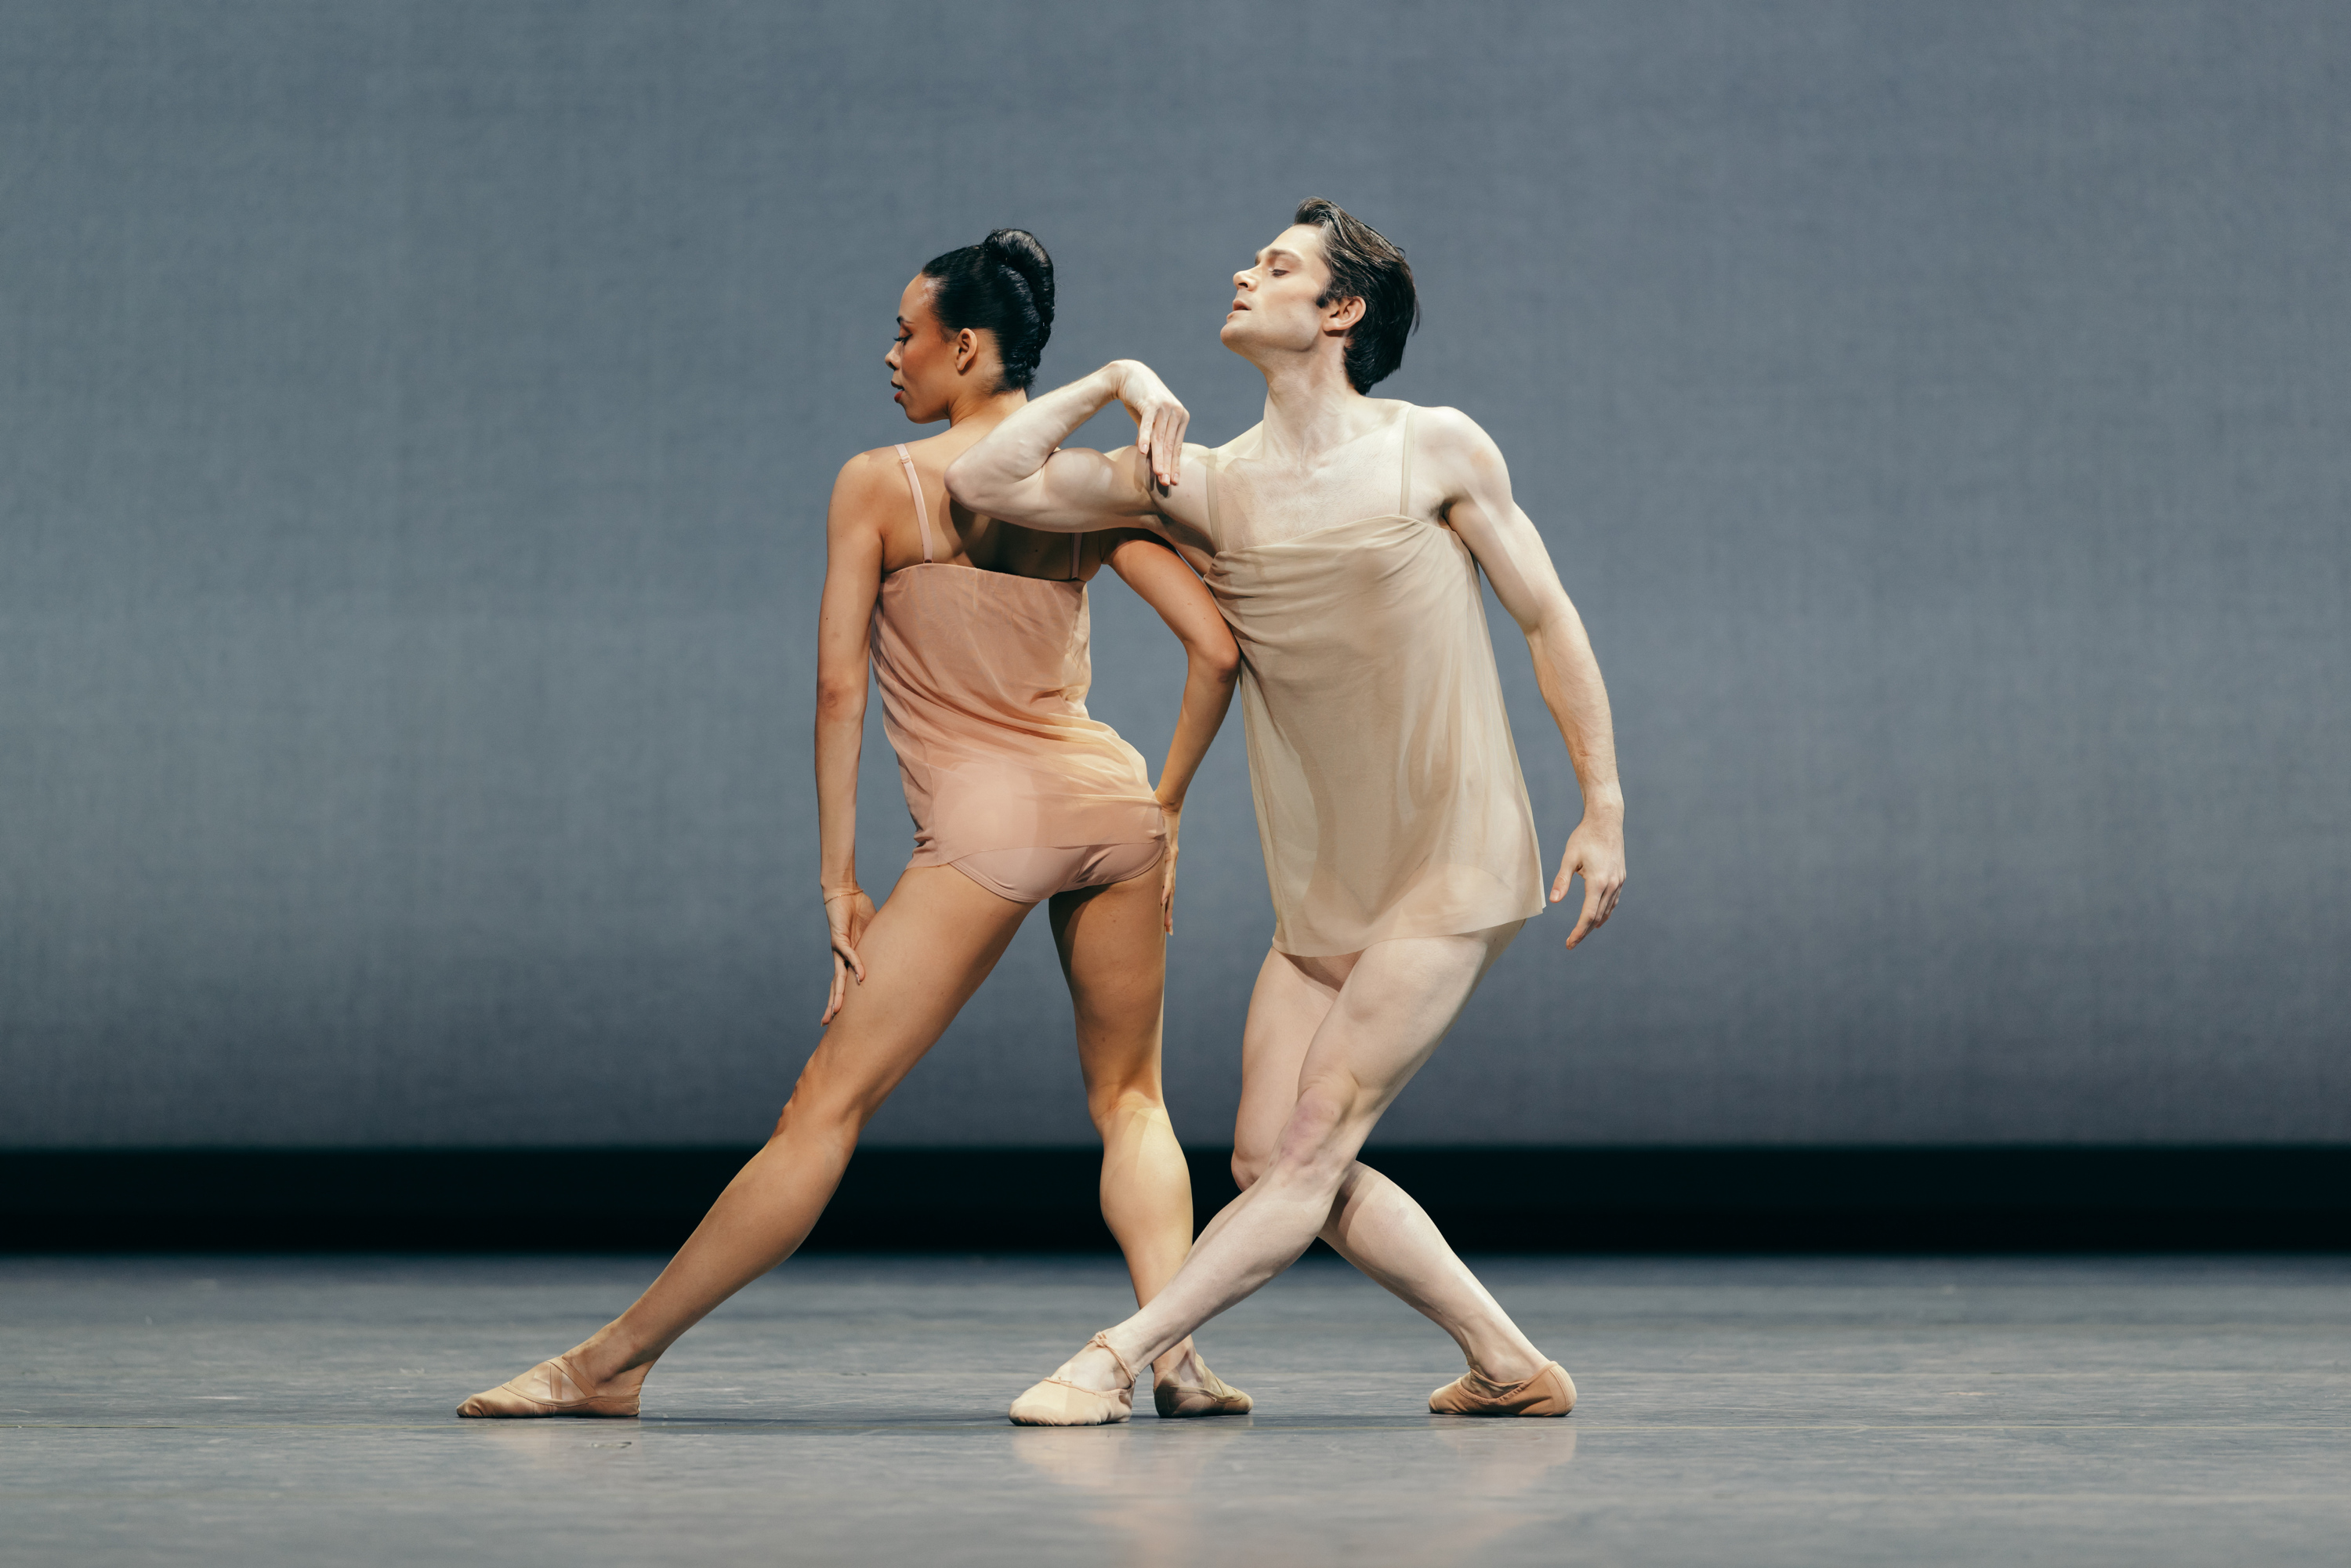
x=1403, y=496
x=921, y=507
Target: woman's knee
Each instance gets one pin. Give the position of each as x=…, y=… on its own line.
x=822, y=1106
x=1111, y=1103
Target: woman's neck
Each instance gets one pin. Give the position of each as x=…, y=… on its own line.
x=984, y=413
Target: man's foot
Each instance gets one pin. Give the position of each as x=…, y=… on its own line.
x=1549, y=1392
x=558, y=1388
x=1094, y=1387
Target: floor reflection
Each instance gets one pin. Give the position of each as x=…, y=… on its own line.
x=1470, y=1483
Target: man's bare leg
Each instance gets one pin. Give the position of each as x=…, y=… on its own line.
x=1382, y=1019
x=1376, y=1225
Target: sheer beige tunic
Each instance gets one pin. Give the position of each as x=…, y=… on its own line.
x=1389, y=799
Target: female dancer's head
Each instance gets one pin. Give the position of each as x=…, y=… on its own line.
x=971, y=325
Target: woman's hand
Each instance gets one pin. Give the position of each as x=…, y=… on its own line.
x=848, y=913
x=1175, y=815
x=1159, y=421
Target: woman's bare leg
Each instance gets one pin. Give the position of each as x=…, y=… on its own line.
x=1386, y=1014
x=930, y=945
x=1114, y=950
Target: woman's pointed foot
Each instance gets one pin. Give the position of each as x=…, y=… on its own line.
x=1060, y=1402
x=1196, y=1391
x=556, y=1388
x=1549, y=1392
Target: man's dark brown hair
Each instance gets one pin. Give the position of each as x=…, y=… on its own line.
x=1364, y=266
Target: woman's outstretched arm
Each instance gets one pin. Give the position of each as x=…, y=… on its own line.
x=1211, y=661
x=1019, y=474
x=853, y=579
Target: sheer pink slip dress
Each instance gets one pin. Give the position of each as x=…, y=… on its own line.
x=984, y=678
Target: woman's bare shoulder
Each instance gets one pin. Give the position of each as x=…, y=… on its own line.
x=878, y=466
x=868, y=485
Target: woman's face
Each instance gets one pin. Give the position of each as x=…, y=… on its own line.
x=924, y=374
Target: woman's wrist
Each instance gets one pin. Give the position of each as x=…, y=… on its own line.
x=842, y=887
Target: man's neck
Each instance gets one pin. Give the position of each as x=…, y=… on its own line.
x=1310, y=408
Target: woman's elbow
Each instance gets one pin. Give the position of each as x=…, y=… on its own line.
x=840, y=700
x=1218, y=661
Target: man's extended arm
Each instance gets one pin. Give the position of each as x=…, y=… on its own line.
x=1503, y=538
x=1017, y=474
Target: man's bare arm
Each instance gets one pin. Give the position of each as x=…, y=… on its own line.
x=1017, y=474
x=1482, y=511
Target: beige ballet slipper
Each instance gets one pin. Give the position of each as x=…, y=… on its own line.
x=1182, y=1401
x=1549, y=1392
x=554, y=1388
x=1057, y=1402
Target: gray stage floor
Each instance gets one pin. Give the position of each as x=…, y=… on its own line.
x=848, y=1410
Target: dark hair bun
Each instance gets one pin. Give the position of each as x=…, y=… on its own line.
x=1003, y=285
x=1019, y=251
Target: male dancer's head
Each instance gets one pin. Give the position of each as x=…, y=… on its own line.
x=1329, y=297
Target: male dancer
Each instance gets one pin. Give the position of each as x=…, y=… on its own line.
x=1341, y=538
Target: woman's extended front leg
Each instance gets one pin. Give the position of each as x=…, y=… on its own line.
x=928, y=949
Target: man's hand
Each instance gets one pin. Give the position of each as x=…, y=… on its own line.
x=1596, y=852
x=1159, y=421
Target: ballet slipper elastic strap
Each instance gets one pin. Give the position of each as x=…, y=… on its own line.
x=1103, y=1339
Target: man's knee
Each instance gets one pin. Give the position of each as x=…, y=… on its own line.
x=1318, y=1142
x=1248, y=1166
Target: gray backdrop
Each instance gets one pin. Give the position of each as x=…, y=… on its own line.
x=418, y=419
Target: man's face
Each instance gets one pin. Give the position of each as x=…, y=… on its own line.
x=1273, y=300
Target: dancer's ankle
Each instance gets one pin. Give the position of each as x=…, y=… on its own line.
x=1502, y=1361
x=1094, y=1367
x=1181, y=1364
x=605, y=1356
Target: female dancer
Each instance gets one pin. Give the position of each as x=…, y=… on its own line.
x=976, y=631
